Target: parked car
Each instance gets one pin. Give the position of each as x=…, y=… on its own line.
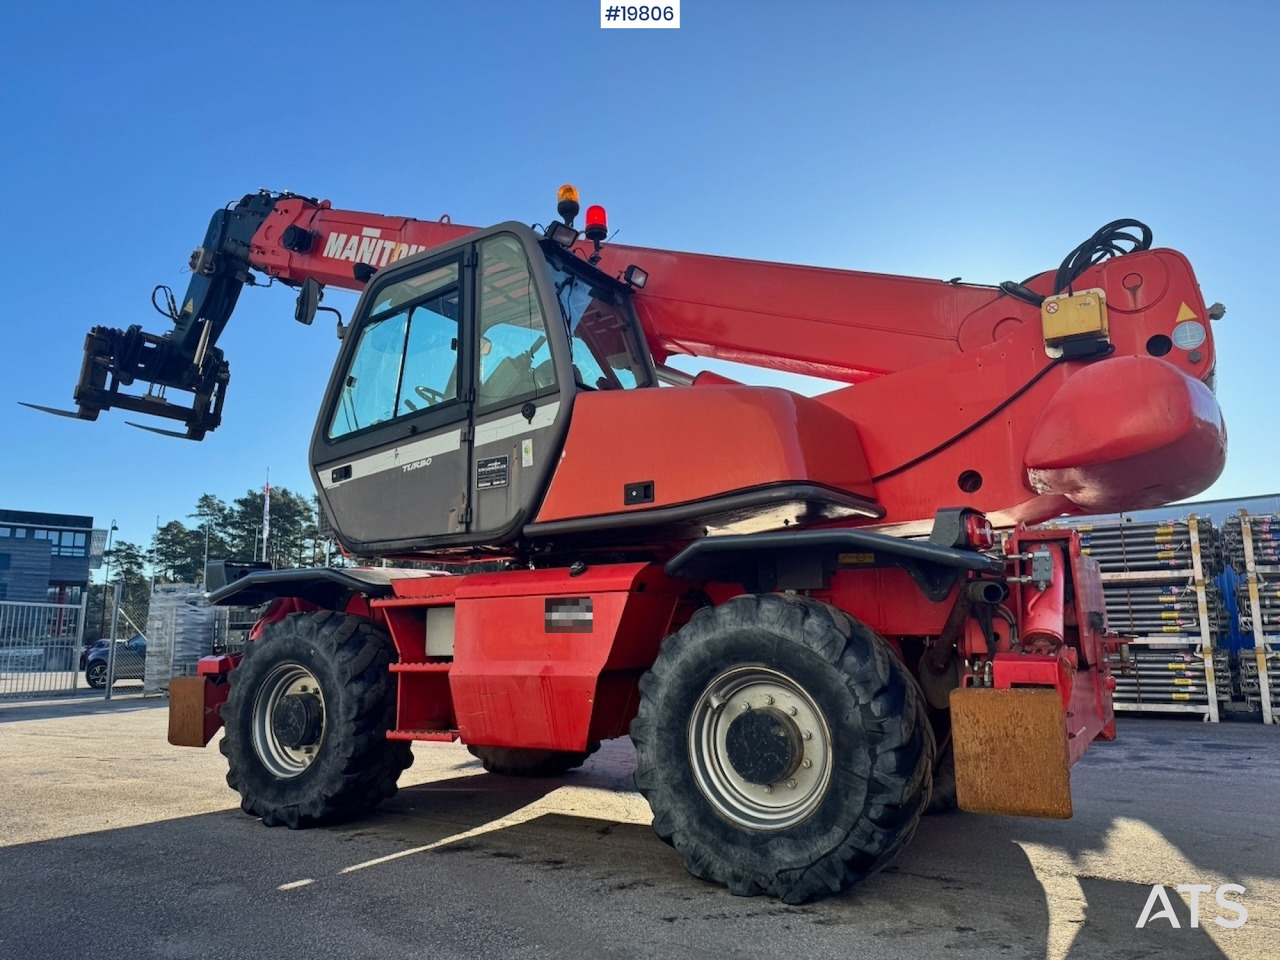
x=131, y=655
x=84, y=654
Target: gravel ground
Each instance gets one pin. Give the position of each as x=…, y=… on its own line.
x=114, y=844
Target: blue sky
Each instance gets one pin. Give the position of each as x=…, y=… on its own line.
x=931, y=139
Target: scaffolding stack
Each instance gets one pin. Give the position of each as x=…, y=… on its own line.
x=1252, y=544
x=1156, y=582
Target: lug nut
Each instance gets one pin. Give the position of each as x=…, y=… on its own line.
x=768, y=788
x=806, y=763
x=792, y=711
x=791, y=784
x=807, y=735
x=768, y=700
x=745, y=706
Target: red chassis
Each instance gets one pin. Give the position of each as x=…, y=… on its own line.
x=551, y=659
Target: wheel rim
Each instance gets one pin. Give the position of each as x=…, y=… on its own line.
x=288, y=720
x=97, y=675
x=729, y=773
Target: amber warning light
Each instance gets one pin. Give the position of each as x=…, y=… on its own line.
x=567, y=203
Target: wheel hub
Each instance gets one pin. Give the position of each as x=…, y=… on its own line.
x=763, y=746
x=288, y=725
x=297, y=720
x=760, y=748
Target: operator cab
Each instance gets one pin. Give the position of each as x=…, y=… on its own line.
x=450, y=400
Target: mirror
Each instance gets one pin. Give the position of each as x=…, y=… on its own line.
x=308, y=301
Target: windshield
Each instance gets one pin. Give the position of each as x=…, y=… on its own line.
x=607, y=354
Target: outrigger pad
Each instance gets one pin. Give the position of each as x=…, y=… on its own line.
x=1011, y=752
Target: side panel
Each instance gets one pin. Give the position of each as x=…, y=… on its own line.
x=888, y=601
x=694, y=443
x=534, y=651
x=409, y=488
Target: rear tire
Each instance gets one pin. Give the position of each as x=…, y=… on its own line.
x=306, y=720
x=822, y=787
x=516, y=762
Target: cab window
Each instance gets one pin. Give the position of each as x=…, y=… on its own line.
x=607, y=353
x=406, y=360
x=514, y=356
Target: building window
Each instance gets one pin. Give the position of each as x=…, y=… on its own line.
x=65, y=543
x=4, y=561
x=19, y=532
x=4, y=591
x=5, y=531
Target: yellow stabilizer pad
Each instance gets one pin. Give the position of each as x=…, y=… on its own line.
x=1011, y=752
x=186, y=712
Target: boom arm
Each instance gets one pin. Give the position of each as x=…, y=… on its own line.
x=961, y=396
x=839, y=324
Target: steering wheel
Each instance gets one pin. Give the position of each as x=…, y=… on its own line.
x=429, y=395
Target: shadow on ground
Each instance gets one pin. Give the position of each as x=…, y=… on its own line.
x=488, y=866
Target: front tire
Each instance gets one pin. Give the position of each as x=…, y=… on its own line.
x=96, y=675
x=783, y=747
x=306, y=720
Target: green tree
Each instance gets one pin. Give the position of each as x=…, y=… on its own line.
x=211, y=535
x=128, y=565
x=129, y=569
x=293, y=533
x=178, y=553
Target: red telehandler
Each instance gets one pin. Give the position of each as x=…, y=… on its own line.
x=796, y=606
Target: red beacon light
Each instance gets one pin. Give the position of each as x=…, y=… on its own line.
x=597, y=224
x=597, y=229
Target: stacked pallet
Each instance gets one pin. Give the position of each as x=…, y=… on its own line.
x=180, y=630
x=1251, y=675
x=1252, y=544
x=1226, y=678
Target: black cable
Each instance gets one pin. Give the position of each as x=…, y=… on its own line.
x=972, y=427
x=1105, y=243
x=170, y=303
x=1022, y=292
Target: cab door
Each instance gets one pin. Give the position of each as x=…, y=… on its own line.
x=521, y=408
x=390, y=454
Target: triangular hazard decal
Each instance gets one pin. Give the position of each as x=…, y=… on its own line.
x=191, y=305
x=1185, y=313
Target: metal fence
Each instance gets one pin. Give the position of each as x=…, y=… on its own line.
x=40, y=648
x=119, y=668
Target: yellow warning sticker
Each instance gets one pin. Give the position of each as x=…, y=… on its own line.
x=1181, y=696
x=846, y=559
x=1185, y=313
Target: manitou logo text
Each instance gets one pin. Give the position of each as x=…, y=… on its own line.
x=1166, y=912
x=367, y=247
